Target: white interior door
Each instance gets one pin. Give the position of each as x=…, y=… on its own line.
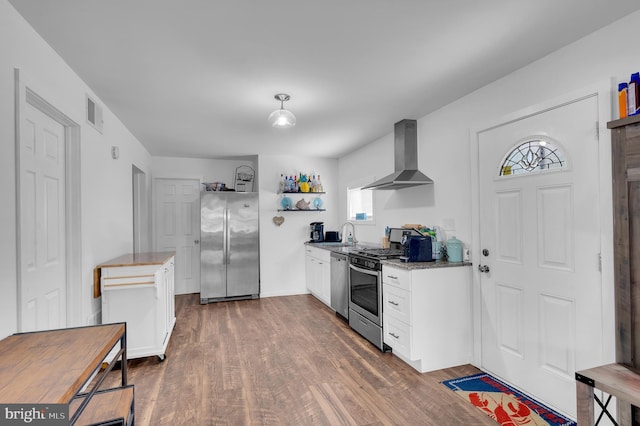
x=177, y=228
x=541, y=310
x=43, y=267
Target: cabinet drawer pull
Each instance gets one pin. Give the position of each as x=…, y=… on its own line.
x=393, y=303
x=395, y=336
x=392, y=277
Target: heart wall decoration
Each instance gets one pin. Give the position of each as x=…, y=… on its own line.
x=278, y=220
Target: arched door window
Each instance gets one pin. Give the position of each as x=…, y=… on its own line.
x=536, y=154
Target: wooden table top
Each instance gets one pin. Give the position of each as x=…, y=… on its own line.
x=617, y=380
x=50, y=367
x=139, y=259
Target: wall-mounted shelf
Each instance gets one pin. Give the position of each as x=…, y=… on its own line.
x=302, y=210
x=301, y=193
x=315, y=202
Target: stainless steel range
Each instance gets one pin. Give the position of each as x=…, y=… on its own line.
x=365, y=286
x=365, y=292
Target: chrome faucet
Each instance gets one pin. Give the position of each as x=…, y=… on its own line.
x=345, y=238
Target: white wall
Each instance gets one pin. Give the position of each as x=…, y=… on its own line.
x=443, y=136
x=106, y=194
x=444, y=139
x=281, y=247
x=204, y=169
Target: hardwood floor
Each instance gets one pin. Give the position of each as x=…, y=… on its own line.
x=285, y=361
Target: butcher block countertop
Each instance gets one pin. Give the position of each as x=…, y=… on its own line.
x=140, y=259
x=129, y=259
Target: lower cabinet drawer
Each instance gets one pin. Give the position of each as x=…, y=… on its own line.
x=398, y=335
x=396, y=303
x=397, y=277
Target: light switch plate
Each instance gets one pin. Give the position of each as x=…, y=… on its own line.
x=449, y=224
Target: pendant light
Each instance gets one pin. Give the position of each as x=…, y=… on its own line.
x=282, y=118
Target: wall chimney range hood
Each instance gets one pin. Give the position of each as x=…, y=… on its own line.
x=406, y=160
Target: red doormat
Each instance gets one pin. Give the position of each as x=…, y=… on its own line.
x=504, y=404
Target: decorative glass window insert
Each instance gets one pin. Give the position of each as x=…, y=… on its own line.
x=534, y=155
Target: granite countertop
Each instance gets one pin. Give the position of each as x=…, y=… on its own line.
x=410, y=266
x=346, y=248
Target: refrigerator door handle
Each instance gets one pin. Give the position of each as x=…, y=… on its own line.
x=224, y=236
x=227, y=237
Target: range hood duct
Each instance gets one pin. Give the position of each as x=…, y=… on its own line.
x=406, y=160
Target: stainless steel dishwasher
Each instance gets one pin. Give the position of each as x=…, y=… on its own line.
x=340, y=284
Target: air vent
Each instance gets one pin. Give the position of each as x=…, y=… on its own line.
x=94, y=114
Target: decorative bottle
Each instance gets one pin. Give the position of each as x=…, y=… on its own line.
x=622, y=99
x=633, y=95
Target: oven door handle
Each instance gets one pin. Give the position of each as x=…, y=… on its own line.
x=364, y=271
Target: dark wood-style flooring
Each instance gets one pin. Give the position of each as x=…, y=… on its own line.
x=285, y=361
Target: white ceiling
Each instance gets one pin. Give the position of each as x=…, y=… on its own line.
x=196, y=78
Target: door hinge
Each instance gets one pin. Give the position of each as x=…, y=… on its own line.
x=597, y=130
x=600, y=262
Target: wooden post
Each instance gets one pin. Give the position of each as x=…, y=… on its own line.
x=584, y=399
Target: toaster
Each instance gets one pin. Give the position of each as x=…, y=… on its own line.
x=332, y=236
x=416, y=249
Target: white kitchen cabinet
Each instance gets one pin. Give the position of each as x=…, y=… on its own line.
x=318, y=273
x=427, y=315
x=139, y=290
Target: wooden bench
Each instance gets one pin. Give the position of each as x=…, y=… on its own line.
x=614, y=379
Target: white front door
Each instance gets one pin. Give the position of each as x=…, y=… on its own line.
x=177, y=228
x=43, y=268
x=539, y=236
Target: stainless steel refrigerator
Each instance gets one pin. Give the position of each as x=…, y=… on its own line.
x=229, y=246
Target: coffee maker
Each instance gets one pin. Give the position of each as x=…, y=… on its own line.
x=316, y=230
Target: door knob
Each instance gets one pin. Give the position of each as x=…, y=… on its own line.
x=196, y=242
x=483, y=268
x=485, y=252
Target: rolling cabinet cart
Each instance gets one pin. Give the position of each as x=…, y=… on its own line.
x=56, y=367
x=139, y=289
